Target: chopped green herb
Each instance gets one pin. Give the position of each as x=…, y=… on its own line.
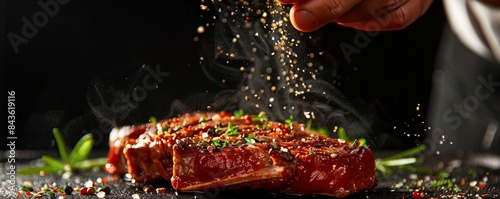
x=176, y=128
x=343, y=135
x=26, y=188
x=238, y=113
x=251, y=139
x=218, y=129
x=218, y=142
x=289, y=120
x=259, y=118
x=444, y=182
x=231, y=130
x=202, y=119
x=153, y=119
x=164, y=127
x=323, y=131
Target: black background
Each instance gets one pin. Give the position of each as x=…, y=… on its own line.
x=105, y=43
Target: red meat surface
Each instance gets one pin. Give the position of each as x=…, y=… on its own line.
x=217, y=150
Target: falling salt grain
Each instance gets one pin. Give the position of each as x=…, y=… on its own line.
x=135, y=196
x=200, y=29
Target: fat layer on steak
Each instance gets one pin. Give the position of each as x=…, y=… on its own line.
x=204, y=151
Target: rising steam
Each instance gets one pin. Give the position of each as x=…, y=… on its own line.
x=270, y=67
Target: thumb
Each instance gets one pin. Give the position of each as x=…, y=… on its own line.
x=309, y=16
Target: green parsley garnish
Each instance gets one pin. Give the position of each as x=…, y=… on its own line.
x=323, y=131
x=218, y=129
x=153, y=119
x=289, y=121
x=231, y=130
x=260, y=118
x=202, y=119
x=218, y=142
x=343, y=135
x=238, y=113
x=251, y=139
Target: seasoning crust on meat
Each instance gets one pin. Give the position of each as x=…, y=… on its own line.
x=202, y=151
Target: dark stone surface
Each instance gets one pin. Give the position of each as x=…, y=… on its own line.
x=465, y=173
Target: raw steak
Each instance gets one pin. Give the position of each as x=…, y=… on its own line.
x=217, y=150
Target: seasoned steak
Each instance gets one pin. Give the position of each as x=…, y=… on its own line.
x=217, y=150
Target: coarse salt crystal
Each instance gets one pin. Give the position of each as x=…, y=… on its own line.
x=101, y=194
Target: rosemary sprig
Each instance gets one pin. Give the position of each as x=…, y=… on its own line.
x=74, y=161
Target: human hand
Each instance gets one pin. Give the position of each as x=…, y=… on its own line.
x=369, y=15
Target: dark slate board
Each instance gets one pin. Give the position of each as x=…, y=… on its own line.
x=399, y=184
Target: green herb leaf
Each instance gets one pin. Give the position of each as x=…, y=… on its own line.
x=323, y=131
x=218, y=129
x=259, y=118
x=36, y=170
x=202, y=119
x=407, y=153
x=238, y=113
x=289, y=120
x=153, y=119
x=399, y=162
x=218, y=142
x=85, y=165
x=265, y=126
x=403, y=161
x=26, y=188
x=53, y=162
x=61, y=144
x=251, y=139
x=77, y=159
x=343, y=135
x=362, y=142
x=82, y=149
x=231, y=130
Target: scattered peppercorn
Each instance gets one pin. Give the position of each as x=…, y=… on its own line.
x=416, y=194
x=106, y=190
x=83, y=191
x=68, y=190
x=91, y=191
